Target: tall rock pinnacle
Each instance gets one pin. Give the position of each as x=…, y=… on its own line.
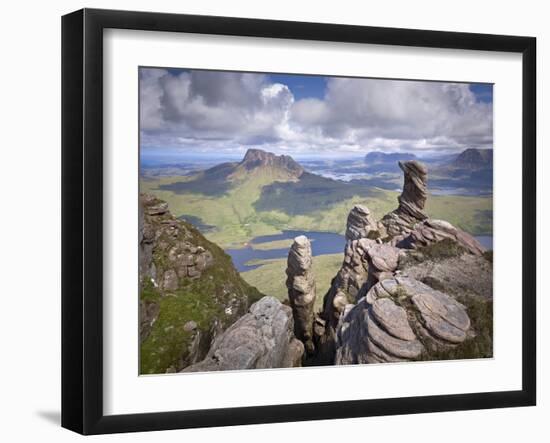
x=411, y=201
x=301, y=290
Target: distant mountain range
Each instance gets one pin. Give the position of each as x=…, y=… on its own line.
x=474, y=159
x=235, y=201
x=377, y=157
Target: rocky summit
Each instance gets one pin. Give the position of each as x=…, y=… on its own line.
x=257, y=158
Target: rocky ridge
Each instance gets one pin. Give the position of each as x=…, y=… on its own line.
x=376, y=310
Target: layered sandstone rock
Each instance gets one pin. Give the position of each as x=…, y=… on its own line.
x=411, y=201
x=349, y=280
x=262, y=338
x=301, y=289
x=400, y=319
x=433, y=231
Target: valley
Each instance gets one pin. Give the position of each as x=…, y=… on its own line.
x=247, y=206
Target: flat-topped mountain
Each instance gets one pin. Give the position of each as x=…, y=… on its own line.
x=257, y=165
x=474, y=159
x=257, y=158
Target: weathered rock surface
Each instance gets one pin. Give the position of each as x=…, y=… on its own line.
x=170, y=241
x=345, y=287
x=361, y=224
x=411, y=201
x=382, y=261
x=148, y=313
x=464, y=274
x=433, y=231
x=301, y=289
x=263, y=338
x=400, y=319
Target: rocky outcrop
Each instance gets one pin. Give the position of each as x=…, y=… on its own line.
x=189, y=290
x=263, y=338
x=258, y=158
x=382, y=261
x=361, y=224
x=361, y=228
x=167, y=253
x=301, y=289
x=411, y=201
x=395, y=296
x=433, y=231
x=400, y=319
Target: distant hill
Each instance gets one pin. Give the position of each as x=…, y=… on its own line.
x=377, y=157
x=381, y=162
x=473, y=159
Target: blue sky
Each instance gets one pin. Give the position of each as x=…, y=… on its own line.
x=218, y=112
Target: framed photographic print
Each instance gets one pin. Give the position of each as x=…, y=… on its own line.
x=270, y=221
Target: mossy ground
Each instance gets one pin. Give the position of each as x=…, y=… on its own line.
x=270, y=277
x=481, y=346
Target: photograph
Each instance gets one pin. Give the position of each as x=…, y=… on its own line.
x=298, y=220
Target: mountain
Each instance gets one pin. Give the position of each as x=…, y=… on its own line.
x=257, y=159
x=381, y=162
x=473, y=159
x=257, y=164
x=377, y=157
x=190, y=292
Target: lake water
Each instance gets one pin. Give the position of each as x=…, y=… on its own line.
x=321, y=243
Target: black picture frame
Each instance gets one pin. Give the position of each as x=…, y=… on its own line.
x=82, y=218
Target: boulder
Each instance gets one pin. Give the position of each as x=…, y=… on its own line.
x=262, y=338
x=400, y=319
x=361, y=224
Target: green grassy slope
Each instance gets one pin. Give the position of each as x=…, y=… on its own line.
x=244, y=211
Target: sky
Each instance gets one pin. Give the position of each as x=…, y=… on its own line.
x=198, y=112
